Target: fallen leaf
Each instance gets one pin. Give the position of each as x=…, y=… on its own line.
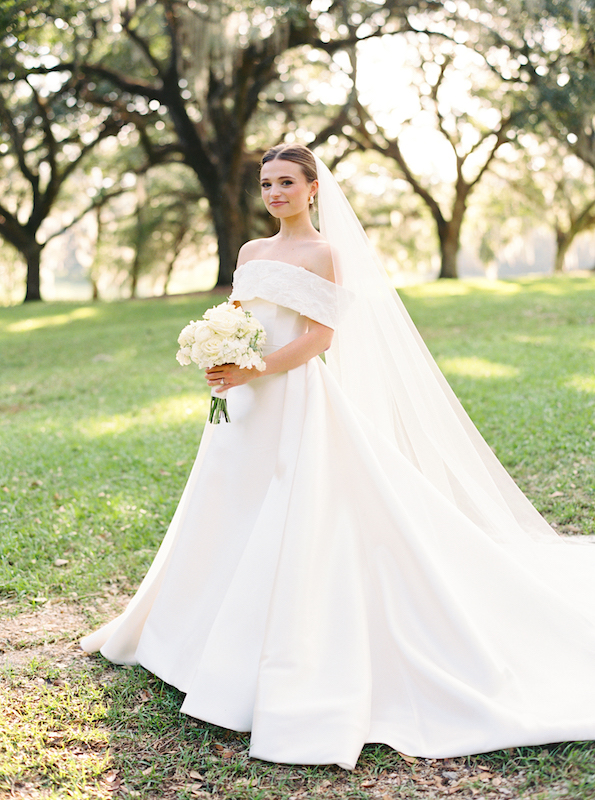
x=408, y=759
x=557, y=494
x=110, y=777
x=367, y=784
x=196, y=790
x=60, y=562
x=196, y=775
x=219, y=747
x=149, y=770
x=145, y=696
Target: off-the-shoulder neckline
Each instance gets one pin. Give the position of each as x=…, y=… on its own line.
x=285, y=264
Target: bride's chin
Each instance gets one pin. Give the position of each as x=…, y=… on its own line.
x=277, y=211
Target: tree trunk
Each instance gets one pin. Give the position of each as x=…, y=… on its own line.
x=141, y=199
x=563, y=242
x=449, y=248
x=449, y=234
x=231, y=228
x=33, y=257
x=175, y=252
x=94, y=268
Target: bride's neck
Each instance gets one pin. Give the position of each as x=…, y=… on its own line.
x=297, y=228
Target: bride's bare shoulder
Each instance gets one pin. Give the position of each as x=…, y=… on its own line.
x=254, y=249
x=318, y=258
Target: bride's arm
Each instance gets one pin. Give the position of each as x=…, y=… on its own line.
x=316, y=340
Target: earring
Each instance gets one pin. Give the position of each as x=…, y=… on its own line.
x=311, y=200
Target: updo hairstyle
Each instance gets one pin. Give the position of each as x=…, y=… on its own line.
x=297, y=153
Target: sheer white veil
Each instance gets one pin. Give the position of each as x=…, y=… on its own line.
x=386, y=370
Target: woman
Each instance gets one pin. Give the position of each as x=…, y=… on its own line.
x=349, y=563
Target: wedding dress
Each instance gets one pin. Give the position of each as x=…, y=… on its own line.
x=331, y=579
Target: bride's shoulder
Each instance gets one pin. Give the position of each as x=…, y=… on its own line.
x=318, y=258
x=252, y=250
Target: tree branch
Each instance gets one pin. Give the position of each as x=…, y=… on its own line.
x=143, y=46
x=97, y=202
x=19, y=144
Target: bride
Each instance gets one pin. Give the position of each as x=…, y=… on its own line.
x=349, y=562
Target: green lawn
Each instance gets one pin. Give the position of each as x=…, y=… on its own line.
x=98, y=429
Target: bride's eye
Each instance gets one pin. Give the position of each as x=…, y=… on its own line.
x=265, y=185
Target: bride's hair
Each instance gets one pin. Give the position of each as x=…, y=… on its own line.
x=297, y=153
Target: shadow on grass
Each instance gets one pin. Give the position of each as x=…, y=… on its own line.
x=76, y=726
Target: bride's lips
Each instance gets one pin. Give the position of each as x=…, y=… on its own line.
x=277, y=203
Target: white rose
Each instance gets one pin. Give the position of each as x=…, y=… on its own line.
x=202, y=332
x=215, y=310
x=186, y=337
x=209, y=352
x=225, y=323
x=183, y=356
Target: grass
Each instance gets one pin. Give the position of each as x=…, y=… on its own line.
x=98, y=430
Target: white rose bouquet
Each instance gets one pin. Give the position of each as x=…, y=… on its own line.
x=225, y=335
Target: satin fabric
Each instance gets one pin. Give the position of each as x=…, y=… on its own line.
x=318, y=590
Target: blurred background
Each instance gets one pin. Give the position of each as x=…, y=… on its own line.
x=131, y=132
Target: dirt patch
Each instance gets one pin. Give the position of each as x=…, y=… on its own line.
x=52, y=631
x=49, y=632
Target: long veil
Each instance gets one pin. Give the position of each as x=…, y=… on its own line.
x=386, y=370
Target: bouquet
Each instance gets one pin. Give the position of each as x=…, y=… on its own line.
x=225, y=335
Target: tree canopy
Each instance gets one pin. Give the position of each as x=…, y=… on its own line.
x=209, y=85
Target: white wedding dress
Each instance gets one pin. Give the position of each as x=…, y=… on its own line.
x=317, y=589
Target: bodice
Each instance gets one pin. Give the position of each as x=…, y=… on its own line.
x=282, y=325
x=293, y=289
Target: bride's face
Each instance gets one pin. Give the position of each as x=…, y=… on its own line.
x=285, y=190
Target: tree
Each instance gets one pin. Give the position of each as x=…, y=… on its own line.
x=569, y=196
x=208, y=67
x=44, y=137
x=145, y=232
x=471, y=118
x=547, y=49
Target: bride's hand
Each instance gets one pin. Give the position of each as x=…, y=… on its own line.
x=228, y=375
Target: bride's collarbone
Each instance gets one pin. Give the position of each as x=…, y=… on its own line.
x=307, y=255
